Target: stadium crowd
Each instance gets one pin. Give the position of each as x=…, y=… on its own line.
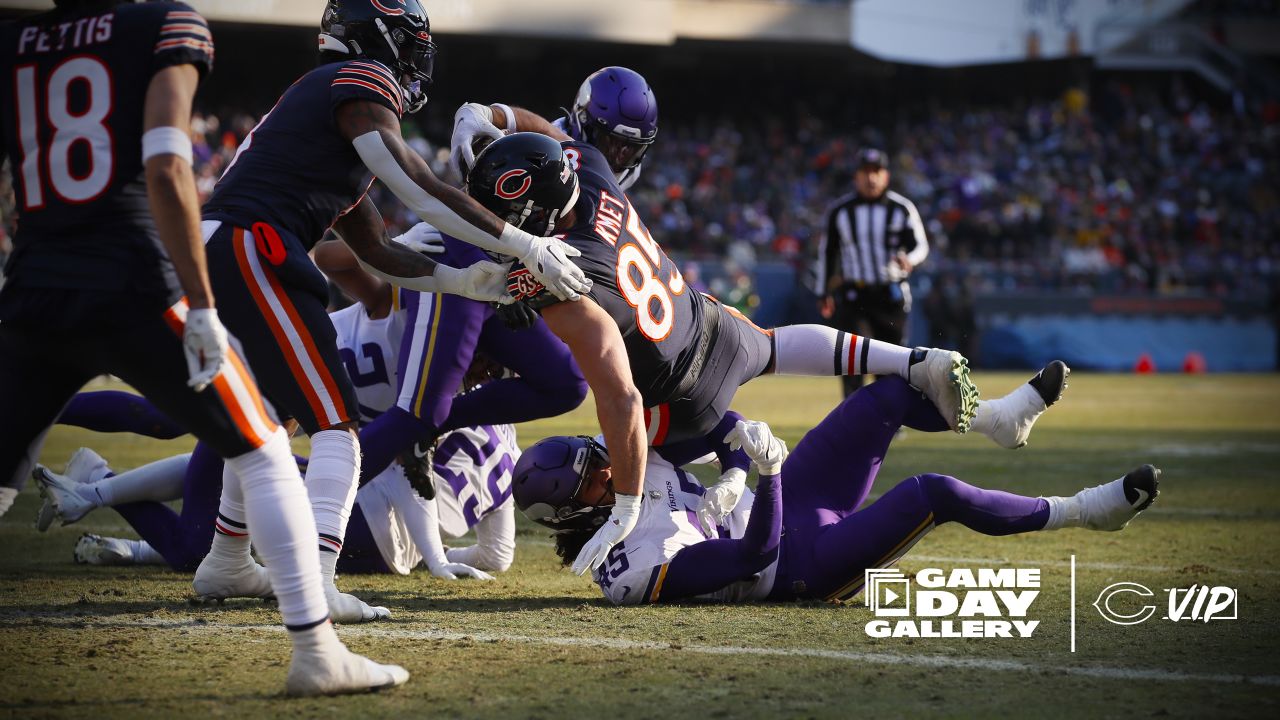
x=1128, y=191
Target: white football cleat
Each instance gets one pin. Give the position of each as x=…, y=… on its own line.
x=219, y=578
x=1015, y=413
x=1108, y=507
x=346, y=608
x=339, y=672
x=943, y=376
x=61, y=499
x=86, y=466
x=97, y=550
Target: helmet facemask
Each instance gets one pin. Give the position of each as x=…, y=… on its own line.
x=415, y=59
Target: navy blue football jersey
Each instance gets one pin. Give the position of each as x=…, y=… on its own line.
x=74, y=89
x=296, y=171
x=641, y=288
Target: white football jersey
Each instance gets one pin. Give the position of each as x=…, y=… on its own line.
x=475, y=464
x=369, y=349
x=636, y=567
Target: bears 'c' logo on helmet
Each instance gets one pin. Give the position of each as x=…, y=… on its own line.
x=384, y=6
x=500, y=187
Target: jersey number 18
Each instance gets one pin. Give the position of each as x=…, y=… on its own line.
x=67, y=129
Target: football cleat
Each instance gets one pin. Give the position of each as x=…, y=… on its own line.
x=1111, y=506
x=339, y=672
x=61, y=500
x=219, y=578
x=943, y=376
x=1018, y=411
x=97, y=550
x=419, y=468
x=86, y=466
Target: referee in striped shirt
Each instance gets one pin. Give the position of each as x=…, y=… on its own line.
x=873, y=240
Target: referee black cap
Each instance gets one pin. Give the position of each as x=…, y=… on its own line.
x=872, y=157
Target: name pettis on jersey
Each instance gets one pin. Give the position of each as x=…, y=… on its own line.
x=610, y=216
x=85, y=31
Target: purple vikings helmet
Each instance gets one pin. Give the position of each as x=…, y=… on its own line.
x=617, y=112
x=548, y=476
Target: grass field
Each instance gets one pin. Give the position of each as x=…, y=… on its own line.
x=539, y=642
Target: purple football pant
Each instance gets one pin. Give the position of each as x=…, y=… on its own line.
x=183, y=539
x=443, y=333
x=115, y=411
x=828, y=543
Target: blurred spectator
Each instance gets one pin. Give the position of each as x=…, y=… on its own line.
x=1127, y=189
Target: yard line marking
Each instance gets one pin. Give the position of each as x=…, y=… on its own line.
x=1087, y=566
x=1073, y=603
x=874, y=658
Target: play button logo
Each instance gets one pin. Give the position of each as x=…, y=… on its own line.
x=880, y=596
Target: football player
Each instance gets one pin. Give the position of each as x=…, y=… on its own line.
x=444, y=333
x=392, y=529
x=97, y=106
x=664, y=361
x=615, y=110
x=800, y=535
x=306, y=167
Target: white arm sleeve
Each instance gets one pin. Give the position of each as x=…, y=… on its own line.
x=444, y=279
x=495, y=547
x=420, y=518
x=373, y=151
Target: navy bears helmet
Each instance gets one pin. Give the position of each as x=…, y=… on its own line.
x=396, y=33
x=525, y=179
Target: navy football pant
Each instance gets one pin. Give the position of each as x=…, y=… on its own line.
x=41, y=368
x=740, y=352
x=273, y=298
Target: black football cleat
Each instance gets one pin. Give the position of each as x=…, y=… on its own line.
x=1051, y=381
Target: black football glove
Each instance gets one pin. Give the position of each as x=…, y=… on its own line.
x=516, y=316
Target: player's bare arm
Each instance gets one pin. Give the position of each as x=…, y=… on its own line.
x=171, y=185
x=175, y=207
x=597, y=346
x=362, y=229
x=529, y=121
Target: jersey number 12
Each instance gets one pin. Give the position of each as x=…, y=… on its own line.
x=67, y=129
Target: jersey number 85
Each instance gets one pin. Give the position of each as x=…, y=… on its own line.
x=639, y=261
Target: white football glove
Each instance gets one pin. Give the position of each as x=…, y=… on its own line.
x=456, y=570
x=720, y=499
x=472, y=122
x=548, y=260
x=755, y=439
x=421, y=238
x=484, y=281
x=204, y=340
x=626, y=511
